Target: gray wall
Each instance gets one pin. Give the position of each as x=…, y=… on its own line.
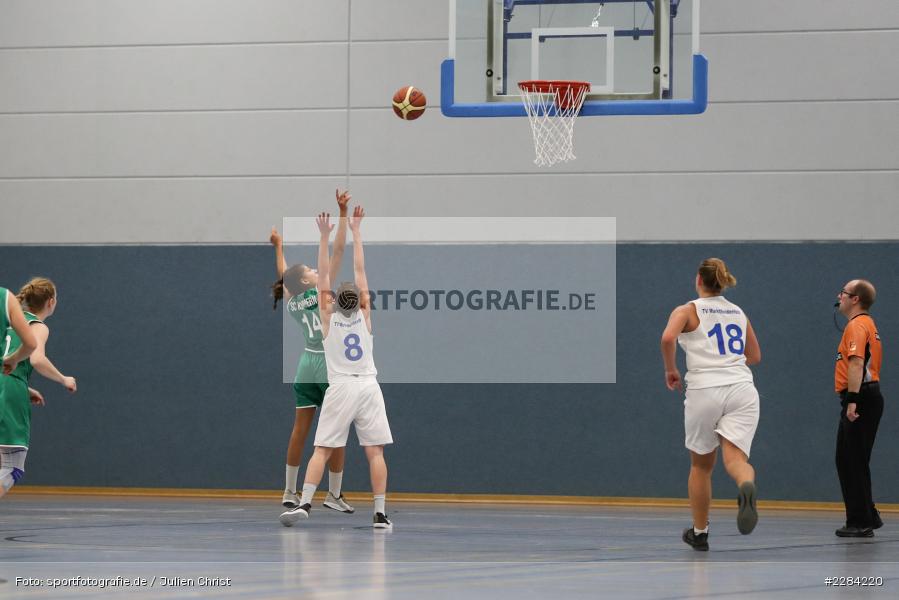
x=235, y=113
x=201, y=123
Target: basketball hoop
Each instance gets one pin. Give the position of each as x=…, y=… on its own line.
x=552, y=107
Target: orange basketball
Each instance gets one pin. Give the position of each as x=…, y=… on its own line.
x=409, y=103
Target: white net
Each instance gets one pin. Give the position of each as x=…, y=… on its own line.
x=552, y=108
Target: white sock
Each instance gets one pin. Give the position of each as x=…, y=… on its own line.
x=308, y=492
x=290, y=482
x=380, y=504
x=12, y=469
x=698, y=531
x=6, y=479
x=335, y=480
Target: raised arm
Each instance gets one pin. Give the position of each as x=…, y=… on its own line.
x=23, y=330
x=343, y=199
x=324, y=278
x=277, y=242
x=359, y=256
x=42, y=364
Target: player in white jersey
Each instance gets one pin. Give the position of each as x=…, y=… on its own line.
x=353, y=396
x=722, y=404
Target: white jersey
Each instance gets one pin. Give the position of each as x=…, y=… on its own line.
x=348, y=348
x=715, y=349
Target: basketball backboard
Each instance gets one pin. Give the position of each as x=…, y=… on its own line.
x=640, y=56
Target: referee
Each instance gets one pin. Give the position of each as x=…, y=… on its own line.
x=856, y=379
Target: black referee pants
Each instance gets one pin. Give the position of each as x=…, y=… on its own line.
x=855, y=441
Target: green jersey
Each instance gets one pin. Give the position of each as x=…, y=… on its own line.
x=304, y=310
x=12, y=343
x=4, y=313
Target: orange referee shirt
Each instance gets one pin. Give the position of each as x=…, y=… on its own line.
x=860, y=338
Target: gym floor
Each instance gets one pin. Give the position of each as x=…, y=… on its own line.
x=438, y=550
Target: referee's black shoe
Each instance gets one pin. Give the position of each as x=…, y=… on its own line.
x=855, y=532
x=699, y=541
x=878, y=522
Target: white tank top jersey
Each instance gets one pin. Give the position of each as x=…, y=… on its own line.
x=348, y=348
x=715, y=349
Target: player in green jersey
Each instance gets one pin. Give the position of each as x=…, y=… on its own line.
x=11, y=316
x=297, y=286
x=38, y=298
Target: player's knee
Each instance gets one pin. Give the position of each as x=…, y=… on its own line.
x=301, y=425
x=324, y=452
x=374, y=451
x=705, y=468
x=703, y=462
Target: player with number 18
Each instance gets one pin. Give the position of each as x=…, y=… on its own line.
x=722, y=404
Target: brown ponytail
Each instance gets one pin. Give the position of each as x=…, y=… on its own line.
x=277, y=292
x=35, y=294
x=714, y=275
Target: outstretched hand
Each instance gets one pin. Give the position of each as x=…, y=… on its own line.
x=275, y=238
x=343, y=199
x=356, y=219
x=323, y=220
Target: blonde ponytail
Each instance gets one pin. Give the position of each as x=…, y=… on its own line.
x=714, y=275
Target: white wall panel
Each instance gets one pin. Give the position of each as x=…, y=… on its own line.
x=680, y=207
x=797, y=15
x=179, y=144
x=379, y=69
x=833, y=66
x=814, y=66
x=762, y=68
x=428, y=19
x=775, y=137
x=54, y=23
x=174, y=78
x=147, y=164
x=400, y=20
x=170, y=211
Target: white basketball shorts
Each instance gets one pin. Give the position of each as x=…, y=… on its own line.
x=358, y=403
x=731, y=411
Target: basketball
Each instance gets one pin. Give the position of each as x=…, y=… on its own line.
x=409, y=103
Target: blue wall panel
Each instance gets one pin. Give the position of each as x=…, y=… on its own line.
x=177, y=354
